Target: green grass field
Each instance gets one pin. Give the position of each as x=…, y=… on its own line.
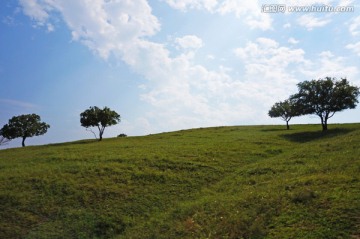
x=223, y=182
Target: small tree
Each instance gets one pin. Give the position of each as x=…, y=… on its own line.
x=285, y=109
x=325, y=97
x=100, y=118
x=24, y=126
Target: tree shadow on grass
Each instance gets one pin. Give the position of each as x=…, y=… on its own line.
x=84, y=141
x=303, y=137
x=275, y=129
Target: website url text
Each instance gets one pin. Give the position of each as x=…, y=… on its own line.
x=282, y=8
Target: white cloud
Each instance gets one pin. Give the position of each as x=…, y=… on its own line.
x=308, y=2
x=293, y=41
x=189, y=42
x=354, y=47
x=238, y=7
x=35, y=10
x=192, y=4
x=50, y=27
x=326, y=54
x=346, y=3
x=287, y=25
x=210, y=57
x=178, y=91
x=329, y=65
x=267, y=42
x=103, y=26
x=263, y=22
x=268, y=52
x=250, y=11
x=354, y=26
x=38, y=11
x=311, y=22
x=269, y=66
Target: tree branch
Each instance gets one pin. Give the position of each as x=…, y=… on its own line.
x=4, y=141
x=88, y=129
x=331, y=115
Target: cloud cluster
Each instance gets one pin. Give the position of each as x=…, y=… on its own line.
x=355, y=47
x=271, y=67
x=179, y=91
x=327, y=64
x=39, y=12
x=192, y=4
x=310, y=22
x=103, y=26
x=189, y=42
x=250, y=11
x=121, y=28
x=354, y=27
x=282, y=67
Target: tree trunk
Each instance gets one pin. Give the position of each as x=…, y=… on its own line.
x=287, y=125
x=323, y=122
x=101, y=132
x=23, y=141
x=324, y=125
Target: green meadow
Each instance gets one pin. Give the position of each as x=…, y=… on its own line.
x=221, y=182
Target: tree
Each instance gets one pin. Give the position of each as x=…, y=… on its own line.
x=325, y=97
x=100, y=118
x=24, y=126
x=285, y=109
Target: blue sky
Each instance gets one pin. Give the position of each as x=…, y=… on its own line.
x=167, y=65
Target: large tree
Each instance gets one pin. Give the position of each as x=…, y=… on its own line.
x=325, y=97
x=285, y=109
x=24, y=126
x=100, y=118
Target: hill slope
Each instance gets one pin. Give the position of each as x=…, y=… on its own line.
x=224, y=182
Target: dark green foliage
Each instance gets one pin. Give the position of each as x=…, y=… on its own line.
x=24, y=126
x=100, y=118
x=285, y=109
x=325, y=97
x=224, y=182
x=122, y=135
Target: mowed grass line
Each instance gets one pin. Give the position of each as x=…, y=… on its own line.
x=222, y=182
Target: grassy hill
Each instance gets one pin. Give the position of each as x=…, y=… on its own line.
x=224, y=182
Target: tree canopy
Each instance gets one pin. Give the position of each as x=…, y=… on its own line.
x=325, y=97
x=285, y=109
x=100, y=118
x=24, y=126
